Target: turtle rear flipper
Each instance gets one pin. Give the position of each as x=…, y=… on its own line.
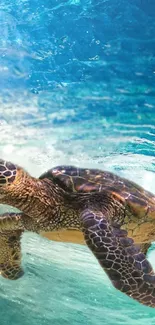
x=10, y=255
x=124, y=263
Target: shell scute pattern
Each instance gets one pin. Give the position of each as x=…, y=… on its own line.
x=138, y=201
x=106, y=179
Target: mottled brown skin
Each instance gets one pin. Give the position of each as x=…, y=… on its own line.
x=107, y=209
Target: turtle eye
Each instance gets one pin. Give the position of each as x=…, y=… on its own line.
x=7, y=172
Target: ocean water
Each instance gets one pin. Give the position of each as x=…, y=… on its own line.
x=76, y=87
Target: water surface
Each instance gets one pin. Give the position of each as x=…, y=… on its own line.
x=77, y=87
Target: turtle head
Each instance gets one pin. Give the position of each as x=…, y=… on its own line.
x=14, y=183
x=29, y=194
x=8, y=172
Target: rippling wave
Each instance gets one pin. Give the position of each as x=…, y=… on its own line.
x=76, y=87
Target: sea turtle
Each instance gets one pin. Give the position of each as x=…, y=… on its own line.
x=112, y=213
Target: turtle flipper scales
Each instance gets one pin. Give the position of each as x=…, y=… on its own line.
x=11, y=229
x=124, y=263
x=10, y=255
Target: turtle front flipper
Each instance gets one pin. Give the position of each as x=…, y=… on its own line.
x=12, y=221
x=12, y=225
x=10, y=255
x=124, y=263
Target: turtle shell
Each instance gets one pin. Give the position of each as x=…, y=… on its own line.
x=84, y=180
x=139, y=213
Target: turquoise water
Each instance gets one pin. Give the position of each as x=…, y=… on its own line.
x=77, y=87
x=63, y=284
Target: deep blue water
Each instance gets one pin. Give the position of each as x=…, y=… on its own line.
x=76, y=87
